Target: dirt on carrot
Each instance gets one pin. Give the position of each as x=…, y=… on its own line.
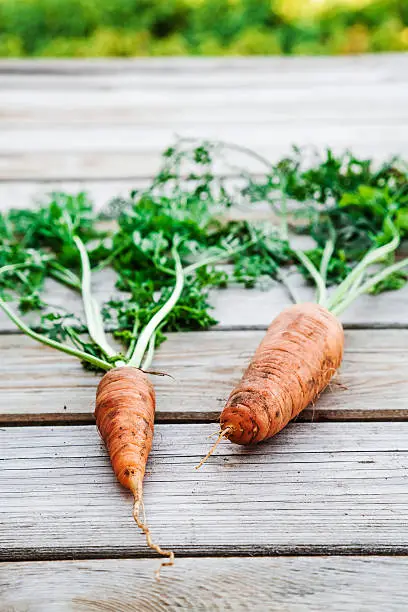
x=295, y=361
x=300, y=353
x=124, y=412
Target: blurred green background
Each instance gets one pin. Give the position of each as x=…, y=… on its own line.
x=97, y=28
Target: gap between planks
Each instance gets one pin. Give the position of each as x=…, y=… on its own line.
x=328, y=488
x=297, y=101
x=90, y=163
x=22, y=555
x=240, y=308
x=39, y=386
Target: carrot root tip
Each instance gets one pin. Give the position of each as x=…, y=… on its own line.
x=138, y=503
x=222, y=434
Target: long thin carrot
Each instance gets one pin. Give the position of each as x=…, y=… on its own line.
x=124, y=412
x=125, y=399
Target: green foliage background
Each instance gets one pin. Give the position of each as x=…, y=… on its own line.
x=92, y=28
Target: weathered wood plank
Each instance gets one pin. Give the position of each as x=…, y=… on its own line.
x=244, y=308
x=94, y=111
x=167, y=101
x=28, y=194
x=314, y=489
x=123, y=152
x=252, y=308
x=117, y=165
x=36, y=384
x=74, y=166
x=334, y=584
x=240, y=307
x=152, y=139
x=73, y=120
x=367, y=66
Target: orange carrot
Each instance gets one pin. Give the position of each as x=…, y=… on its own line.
x=301, y=351
x=124, y=411
x=295, y=361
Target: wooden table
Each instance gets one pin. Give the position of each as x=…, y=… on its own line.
x=317, y=518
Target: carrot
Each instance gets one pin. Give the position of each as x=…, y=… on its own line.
x=295, y=361
x=300, y=353
x=124, y=412
x=125, y=399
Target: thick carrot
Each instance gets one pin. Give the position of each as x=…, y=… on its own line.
x=124, y=411
x=295, y=361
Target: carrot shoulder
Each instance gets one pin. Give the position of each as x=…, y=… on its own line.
x=124, y=412
x=295, y=361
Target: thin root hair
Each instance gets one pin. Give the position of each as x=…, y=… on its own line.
x=223, y=433
x=138, y=504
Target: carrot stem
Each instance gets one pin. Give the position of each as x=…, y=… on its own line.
x=144, y=338
x=370, y=258
x=149, y=353
x=324, y=264
x=64, y=275
x=373, y=280
x=92, y=311
x=353, y=285
x=11, y=267
x=212, y=259
x=100, y=363
x=232, y=147
x=315, y=274
x=133, y=341
x=291, y=291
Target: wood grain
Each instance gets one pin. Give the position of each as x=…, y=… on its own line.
x=374, y=63
x=29, y=194
x=369, y=67
x=302, y=584
x=315, y=489
x=255, y=308
x=39, y=385
x=377, y=141
x=238, y=307
x=112, y=119
x=150, y=138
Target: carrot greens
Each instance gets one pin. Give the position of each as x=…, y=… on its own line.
x=168, y=247
x=183, y=236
